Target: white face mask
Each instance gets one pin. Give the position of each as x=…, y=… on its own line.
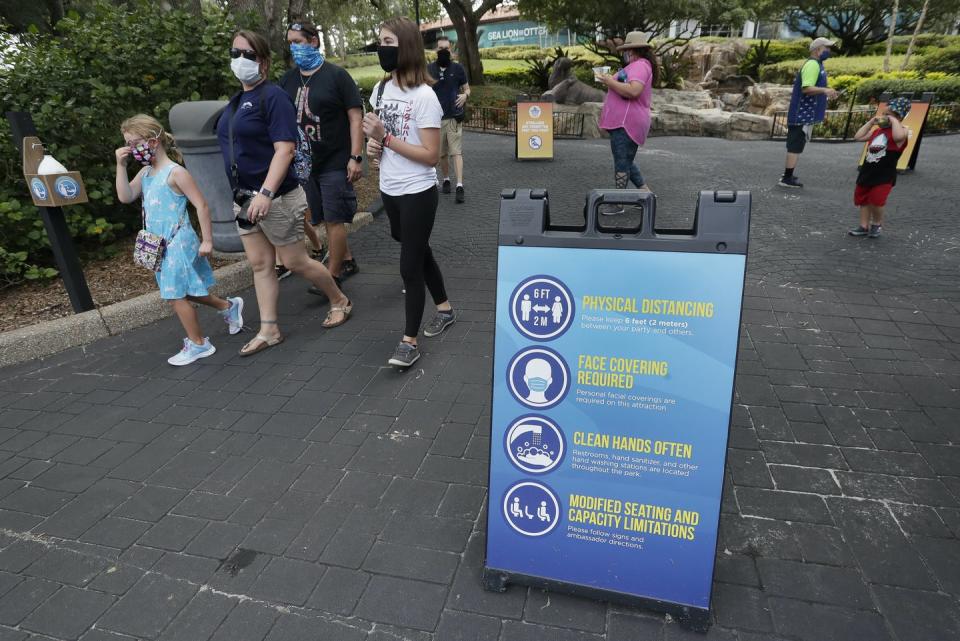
x=246, y=71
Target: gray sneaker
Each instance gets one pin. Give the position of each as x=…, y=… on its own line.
x=439, y=323
x=859, y=231
x=874, y=231
x=404, y=355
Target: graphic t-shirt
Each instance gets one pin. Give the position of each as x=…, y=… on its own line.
x=632, y=115
x=880, y=162
x=322, y=100
x=255, y=129
x=449, y=80
x=404, y=112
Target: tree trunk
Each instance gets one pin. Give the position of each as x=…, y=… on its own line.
x=466, y=20
x=916, y=32
x=55, y=7
x=469, y=49
x=296, y=10
x=327, y=42
x=890, y=32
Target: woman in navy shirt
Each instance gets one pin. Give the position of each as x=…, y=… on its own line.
x=268, y=200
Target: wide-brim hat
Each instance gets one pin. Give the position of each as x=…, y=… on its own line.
x=635, y=40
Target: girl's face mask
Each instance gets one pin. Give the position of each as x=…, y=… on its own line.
x=143, y=153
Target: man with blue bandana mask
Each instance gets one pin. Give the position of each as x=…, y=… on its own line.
x=538, y=376
x=330, y=112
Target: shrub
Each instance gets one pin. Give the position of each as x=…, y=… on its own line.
x=514, y=52
x=491, y=95
x=947, y=89
x=784, y=72
x=925, y=41
x=844, y=83
x=946, y=60
x=519, y=79
x=79, y=83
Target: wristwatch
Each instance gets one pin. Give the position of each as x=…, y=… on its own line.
x=358, y=158
x=266, y=192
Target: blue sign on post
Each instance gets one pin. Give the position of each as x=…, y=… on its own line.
x=613, y=384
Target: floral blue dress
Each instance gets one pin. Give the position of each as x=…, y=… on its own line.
x=183, y=272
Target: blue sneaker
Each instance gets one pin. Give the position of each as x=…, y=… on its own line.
x=192, y=352
x=233, y=315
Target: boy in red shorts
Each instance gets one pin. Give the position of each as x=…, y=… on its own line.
x=878, y=173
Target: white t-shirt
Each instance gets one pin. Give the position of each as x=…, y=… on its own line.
x=404, y=112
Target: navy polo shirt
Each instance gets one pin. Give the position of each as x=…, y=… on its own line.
x=255, y=129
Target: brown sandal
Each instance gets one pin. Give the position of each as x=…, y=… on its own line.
x=343, y=310
x=265, y=343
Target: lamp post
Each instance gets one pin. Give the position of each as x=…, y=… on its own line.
x=416, y=11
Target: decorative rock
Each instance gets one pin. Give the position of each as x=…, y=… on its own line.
x=692, y=99
x=744, y=126
x=705, y=55
x=591, y=117
x=767, y=99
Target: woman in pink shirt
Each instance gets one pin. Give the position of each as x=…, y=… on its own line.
x=626, y=109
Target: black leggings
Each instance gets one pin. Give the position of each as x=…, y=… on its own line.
x=411, y=221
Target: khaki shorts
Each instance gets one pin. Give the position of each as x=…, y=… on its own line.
x=283, y=225
x=451, y=137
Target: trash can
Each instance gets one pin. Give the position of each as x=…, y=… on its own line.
x=194, y=125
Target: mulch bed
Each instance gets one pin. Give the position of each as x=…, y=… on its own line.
x=112, y=280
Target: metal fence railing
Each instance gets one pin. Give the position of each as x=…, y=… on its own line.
x=842, y=124
x=501, y=120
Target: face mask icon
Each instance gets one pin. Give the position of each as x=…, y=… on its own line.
x=537, y=376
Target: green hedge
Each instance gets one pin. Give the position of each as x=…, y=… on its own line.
x=79, y=84
x=947, y=89
x=784, y=72
x=926, y=42
x=946, y=60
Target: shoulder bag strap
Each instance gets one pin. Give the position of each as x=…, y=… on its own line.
x=234, y=172
x=378, y=103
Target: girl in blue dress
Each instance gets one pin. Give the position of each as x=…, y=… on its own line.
x=185, y=276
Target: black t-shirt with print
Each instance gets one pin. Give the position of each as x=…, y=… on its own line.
x=880, y=162
x=322, y=100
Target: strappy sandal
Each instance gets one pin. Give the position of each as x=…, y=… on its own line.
x=343, y=310
x=266, y=342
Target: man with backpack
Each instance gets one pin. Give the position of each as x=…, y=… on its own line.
x=330, y=112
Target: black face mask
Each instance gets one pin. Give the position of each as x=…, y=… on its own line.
x=388, y=57
x=443, y=57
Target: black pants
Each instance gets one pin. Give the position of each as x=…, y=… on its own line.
x=411, y=221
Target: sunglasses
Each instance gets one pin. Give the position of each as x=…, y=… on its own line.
x=299, y=26
x=246, y=53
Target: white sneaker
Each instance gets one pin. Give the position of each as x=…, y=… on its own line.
x=192, y=352
x=233, y=315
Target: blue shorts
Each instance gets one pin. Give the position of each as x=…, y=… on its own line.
x=330, y=197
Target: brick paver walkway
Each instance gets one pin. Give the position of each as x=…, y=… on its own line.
x=313, y=493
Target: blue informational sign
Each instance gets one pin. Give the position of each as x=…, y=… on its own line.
x=611, y=409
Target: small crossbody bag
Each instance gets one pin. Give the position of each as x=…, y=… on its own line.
x=149, y=248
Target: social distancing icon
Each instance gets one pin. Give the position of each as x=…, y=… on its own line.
x=542, y=308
